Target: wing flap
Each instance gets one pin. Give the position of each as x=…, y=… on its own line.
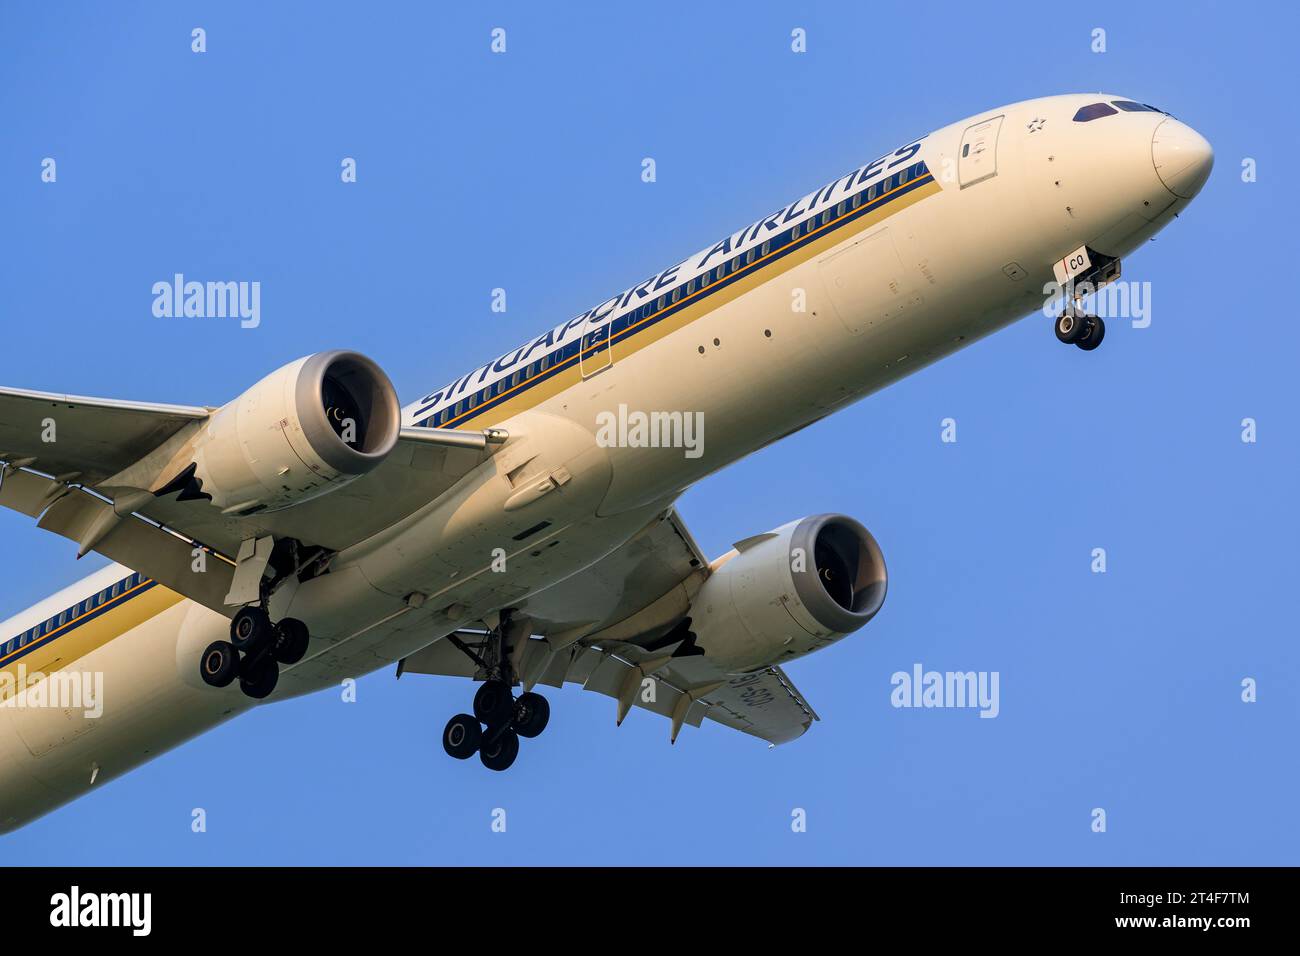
x=27, y=492
x=764, y=704
x=170, y=560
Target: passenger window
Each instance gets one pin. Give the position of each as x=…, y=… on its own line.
x=1094, y=111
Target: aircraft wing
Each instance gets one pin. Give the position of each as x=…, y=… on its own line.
x=63, y=460
x=615, y=628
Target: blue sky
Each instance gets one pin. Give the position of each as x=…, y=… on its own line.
x=475, y=171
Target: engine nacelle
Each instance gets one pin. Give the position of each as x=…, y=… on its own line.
x=304, y=430
x=789, y=592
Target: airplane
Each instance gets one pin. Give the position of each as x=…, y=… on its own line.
x=517, y=526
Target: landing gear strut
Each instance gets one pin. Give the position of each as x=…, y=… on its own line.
x=499, y=718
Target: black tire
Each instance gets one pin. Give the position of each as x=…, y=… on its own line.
x=532, y=713
x=1070, y=327
x=219, y=664
x=290, y=641
x=250, y=630
x=461, y=736
x=260, y=678
x=499, y=754
x=493, y=703
x=1095, y=333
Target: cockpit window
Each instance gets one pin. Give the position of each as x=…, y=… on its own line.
x=1128, y=106
x=1093, y=111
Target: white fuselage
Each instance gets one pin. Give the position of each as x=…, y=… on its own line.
x=873, y=276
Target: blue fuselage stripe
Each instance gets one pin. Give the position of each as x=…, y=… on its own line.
x=625, y=326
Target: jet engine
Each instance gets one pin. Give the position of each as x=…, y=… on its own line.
x=307, y=429
x=788, y=592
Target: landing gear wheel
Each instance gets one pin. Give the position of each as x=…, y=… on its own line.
x=461, y=737
x=1070, y=327
x=493, y=703
x=259, y=678
x=250, y=630
x=532, y=712
x=289, y=643
x=1092, y=336
x=499, y=754
x=219, y=664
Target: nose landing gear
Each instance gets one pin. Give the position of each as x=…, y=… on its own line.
x=1079, y=275
x=1075, y=328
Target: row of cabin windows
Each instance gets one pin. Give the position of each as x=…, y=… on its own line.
x=71, y=614
x=642, y=312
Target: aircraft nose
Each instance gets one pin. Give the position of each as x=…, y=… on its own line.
x=1183, y=158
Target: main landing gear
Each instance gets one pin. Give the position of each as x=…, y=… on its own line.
x=1075, y=328
x=499, y=718
x=254, y=653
